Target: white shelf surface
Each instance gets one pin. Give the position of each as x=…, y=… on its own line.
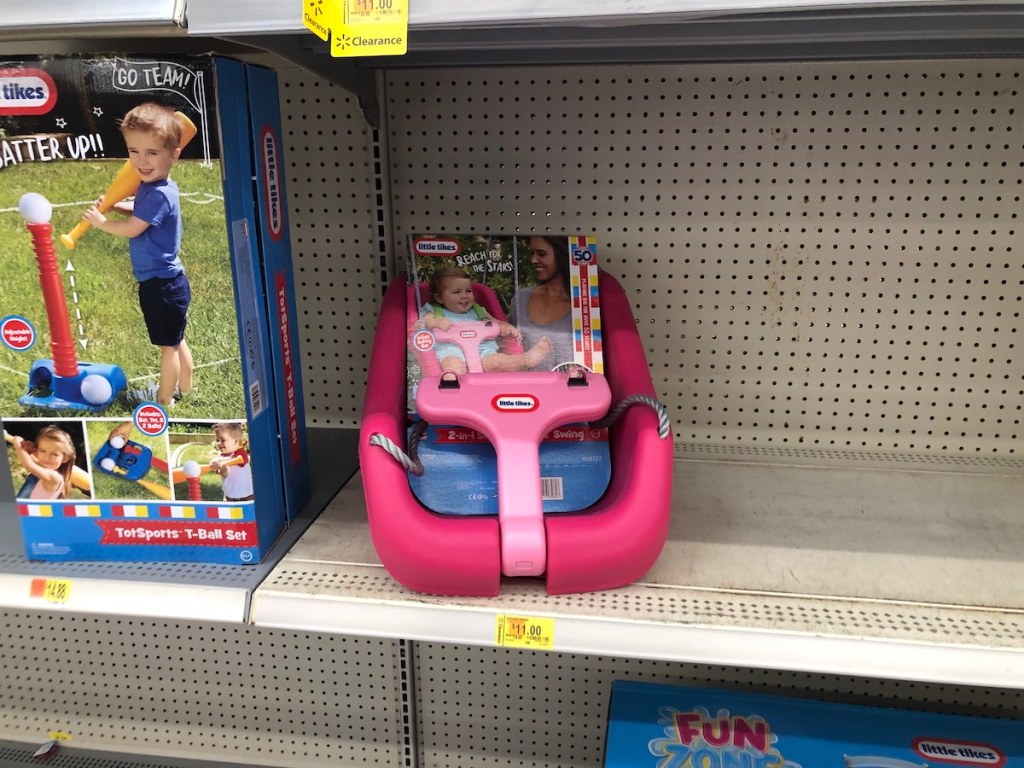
x=71, y=17
x=215, y=17
x=843, y=567
x=189, y=591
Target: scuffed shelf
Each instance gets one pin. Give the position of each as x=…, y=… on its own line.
x=69, y=18
x=213, y=17
x=840, y=567
x=575, y=32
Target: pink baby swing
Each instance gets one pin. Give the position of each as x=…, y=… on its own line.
x=608, y=545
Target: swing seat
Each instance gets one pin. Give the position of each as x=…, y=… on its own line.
x=427, y=357
x=610, y=544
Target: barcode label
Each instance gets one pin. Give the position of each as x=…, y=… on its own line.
x=255, y=398
x=551, y=489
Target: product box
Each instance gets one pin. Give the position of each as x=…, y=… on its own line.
x=102, y=469
x=660, y=726
x=535, y=307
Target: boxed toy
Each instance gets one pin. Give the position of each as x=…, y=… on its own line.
x=662, y=726
x=497, y=303
x=150, y=353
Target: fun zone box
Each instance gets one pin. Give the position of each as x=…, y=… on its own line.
x=660, y=726
x=505, y=273
x=101, y=470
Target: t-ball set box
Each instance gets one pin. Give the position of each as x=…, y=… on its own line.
x=662, y=726
x=217, y=475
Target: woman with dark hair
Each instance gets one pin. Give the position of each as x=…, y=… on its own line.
x=542, y=312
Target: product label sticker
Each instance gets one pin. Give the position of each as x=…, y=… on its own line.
x=319, y=16
x=371, y=28
x=51, y=590
x=525, y=632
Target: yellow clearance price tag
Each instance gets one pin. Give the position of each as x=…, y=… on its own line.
x=51, y=590
x=319, y=16
x=371, y=28
x=525, y=632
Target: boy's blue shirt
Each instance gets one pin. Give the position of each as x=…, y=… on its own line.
x=154, y=253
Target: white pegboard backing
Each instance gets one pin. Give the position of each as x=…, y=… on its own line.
x=334, y=242
x=200, y=690
x=820, y=254
x=498, y=707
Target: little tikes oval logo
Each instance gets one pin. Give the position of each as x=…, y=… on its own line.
x=467, y=334
x=436, y=246
x=26, y=92
x=272, y=182
x=957, y=752
x=515, y=403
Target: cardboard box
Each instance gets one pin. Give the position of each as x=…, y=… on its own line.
x=76, y=353
x=660, y=726
x=460, y=466
x=461, y=475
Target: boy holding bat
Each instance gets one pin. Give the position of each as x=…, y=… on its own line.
x=152, y=134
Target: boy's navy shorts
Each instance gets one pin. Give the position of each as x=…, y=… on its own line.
x=164, y=302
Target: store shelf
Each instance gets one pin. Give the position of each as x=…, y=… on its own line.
x=570, y=32
x=62, y=18
x=213, y=17
x=15, y=754
x=168, y=590
x=830, y=565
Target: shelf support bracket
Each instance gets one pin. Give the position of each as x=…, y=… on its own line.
x=361, y=82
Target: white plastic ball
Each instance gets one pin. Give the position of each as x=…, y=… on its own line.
x=117, y=442
x=108, y=464
x=35, y=208
x=192, y=469
x=96, y=389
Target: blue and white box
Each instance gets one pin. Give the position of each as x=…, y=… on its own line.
x=148, y=481
x=661, y=726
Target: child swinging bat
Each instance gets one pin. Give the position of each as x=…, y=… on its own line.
x=77, y=476
x=126, y=183
x=153, y=135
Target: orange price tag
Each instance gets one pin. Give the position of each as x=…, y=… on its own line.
x=51, y=590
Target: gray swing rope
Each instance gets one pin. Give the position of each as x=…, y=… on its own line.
x=659, y=408
x=415, y=275
x=409, y=461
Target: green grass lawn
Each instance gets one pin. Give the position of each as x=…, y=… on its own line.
x=108, y=486
x=102, y=305
x=194, y=442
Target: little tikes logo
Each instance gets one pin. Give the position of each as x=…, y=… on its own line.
x=958, y=752
x=436, y=246
x=696, y=738
x=26, y=92
x=272, y=182
x=515, y=403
